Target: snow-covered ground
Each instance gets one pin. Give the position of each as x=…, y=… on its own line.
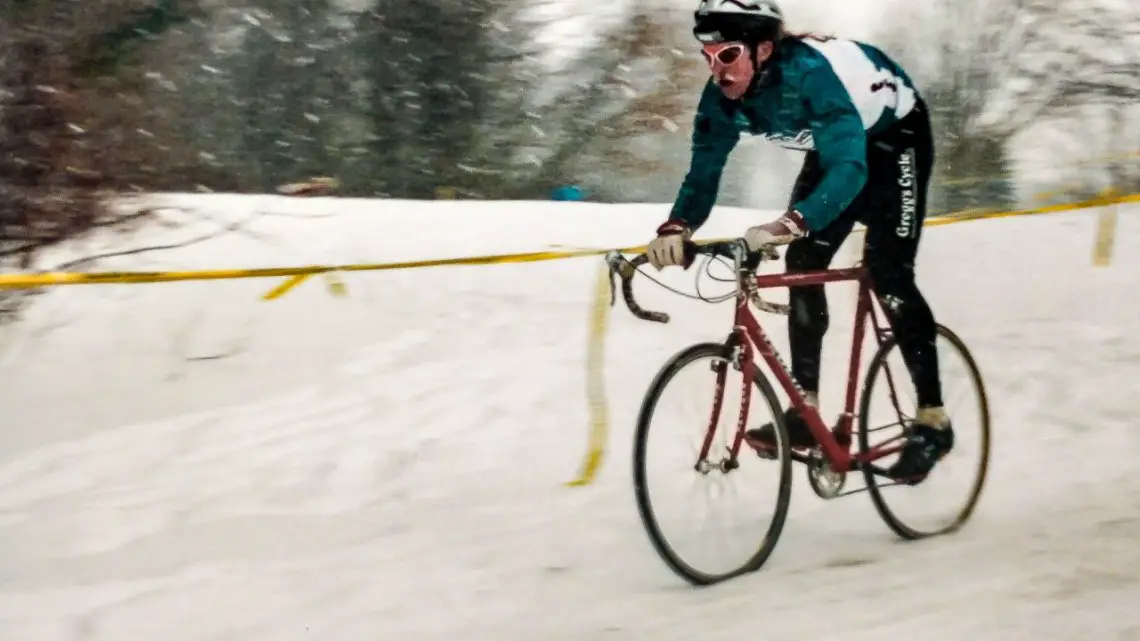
x=187, y=462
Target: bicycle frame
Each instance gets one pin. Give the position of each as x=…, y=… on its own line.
x=751, y=338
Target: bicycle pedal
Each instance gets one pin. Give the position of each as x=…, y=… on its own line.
x=763, y=450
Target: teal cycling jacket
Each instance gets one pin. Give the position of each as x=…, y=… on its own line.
x=823, y=96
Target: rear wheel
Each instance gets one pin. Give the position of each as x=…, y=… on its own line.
x=710, y=371
x=945, y=500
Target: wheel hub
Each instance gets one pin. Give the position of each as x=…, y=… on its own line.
x=705, y=467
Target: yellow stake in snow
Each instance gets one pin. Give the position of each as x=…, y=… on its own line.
x=595, y=381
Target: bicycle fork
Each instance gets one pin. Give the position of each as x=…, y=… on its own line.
x=740, y=358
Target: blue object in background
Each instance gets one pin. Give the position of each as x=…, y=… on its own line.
x=568, y=192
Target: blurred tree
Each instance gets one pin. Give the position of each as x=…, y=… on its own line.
x=428, y=71
x=1068, y=54
x=609, y=109
x=105, y=50
x=71, y=117
x=954, y=51
x=289, y=91
x=994, y=70
x=1075, y=82
x=387, y=97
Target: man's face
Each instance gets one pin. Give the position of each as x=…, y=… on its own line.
x=731, y=65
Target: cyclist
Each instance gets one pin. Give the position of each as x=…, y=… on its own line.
x=869, y=155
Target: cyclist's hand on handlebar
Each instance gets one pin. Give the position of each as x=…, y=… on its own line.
x=668, y=248
x=781, y=231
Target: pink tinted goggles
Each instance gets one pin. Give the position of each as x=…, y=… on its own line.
x=722, y=54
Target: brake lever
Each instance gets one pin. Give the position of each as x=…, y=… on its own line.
x=768, y=252
x=611, y=261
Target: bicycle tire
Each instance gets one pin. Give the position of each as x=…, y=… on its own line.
x=644, y=506
x=888, y=516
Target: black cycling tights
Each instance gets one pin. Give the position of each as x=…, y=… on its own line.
x=892, y=206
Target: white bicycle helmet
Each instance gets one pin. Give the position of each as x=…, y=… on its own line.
x=750, y=21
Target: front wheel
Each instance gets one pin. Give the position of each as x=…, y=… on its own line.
x=694, y=391
x=945, y=500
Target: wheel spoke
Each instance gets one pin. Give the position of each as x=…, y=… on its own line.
x=932, y=491
x=711, y=491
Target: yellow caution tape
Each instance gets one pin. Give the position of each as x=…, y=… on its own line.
x=284, y=287
x=982, y=214
x=296, y=275
x=46, y=279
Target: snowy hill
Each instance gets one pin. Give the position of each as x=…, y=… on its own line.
x=188, y=462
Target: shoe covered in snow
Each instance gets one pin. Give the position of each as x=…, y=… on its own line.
x=931, y=438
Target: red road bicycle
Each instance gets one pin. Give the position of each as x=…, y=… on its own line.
x=830, y=461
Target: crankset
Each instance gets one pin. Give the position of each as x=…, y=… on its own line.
x=826, y=482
